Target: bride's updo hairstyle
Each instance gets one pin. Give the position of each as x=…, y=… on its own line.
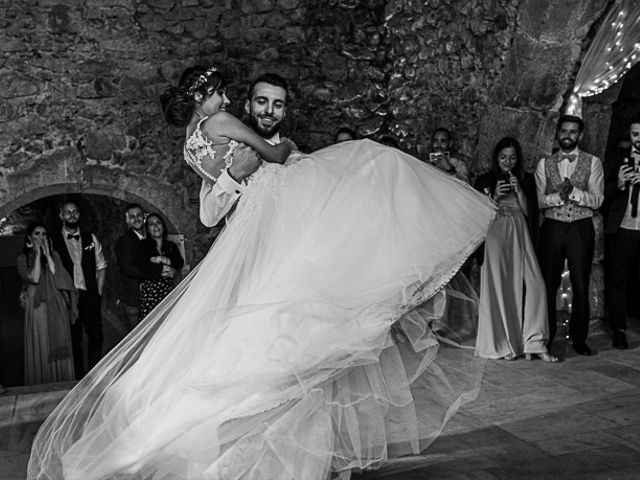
x=179, y=102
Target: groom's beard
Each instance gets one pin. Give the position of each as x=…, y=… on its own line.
x=264, y=132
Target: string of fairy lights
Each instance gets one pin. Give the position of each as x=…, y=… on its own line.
x=614, y=50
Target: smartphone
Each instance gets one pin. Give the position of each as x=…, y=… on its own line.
x=631, y=163
x=505, y=177
x=437, y=156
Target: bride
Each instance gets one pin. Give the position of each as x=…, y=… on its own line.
x=319, y=335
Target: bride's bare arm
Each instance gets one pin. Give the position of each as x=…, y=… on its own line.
x=223, y=124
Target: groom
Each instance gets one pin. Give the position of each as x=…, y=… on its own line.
x=266, y=107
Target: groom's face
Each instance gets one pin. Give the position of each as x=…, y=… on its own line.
x=266, y=108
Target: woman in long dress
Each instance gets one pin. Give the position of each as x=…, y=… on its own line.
x=513, y=317
x=275, y=358
x=50, y=307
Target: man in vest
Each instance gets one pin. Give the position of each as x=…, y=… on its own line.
x=82, y=257
x=570, y=187
x=622, y=189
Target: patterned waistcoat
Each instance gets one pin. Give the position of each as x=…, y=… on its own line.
x=569, y=212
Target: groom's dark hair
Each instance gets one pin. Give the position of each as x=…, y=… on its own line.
x=271, y=79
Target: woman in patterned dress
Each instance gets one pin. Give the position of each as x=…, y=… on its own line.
x=157, y=249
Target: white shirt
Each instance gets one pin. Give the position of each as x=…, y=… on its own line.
x=592, y=197
x=216, y=199
x=75, y=249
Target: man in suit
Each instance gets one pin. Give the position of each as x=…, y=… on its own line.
x=266, y=108
x=622, y=188
x=126, y=250
x=81, y=255
x=570, y=187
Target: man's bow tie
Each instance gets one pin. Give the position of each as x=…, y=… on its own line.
x=72, y=236
x=572, y=157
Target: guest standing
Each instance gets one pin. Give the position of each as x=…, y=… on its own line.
x=156, y=250
x=51, y=306
x=622, y=188
x=128, y=259
x=82, y=258
x=441, y=158
x=513, y=317
x=570, y=187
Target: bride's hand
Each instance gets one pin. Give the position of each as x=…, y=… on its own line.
x=289, y=142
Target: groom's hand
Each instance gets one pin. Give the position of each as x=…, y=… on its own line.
x=245, y=162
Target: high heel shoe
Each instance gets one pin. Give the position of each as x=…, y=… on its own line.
x=545, y=356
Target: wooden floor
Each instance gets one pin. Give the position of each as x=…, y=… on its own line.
x=576, y=420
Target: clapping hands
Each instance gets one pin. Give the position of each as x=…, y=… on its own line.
x=565, y=189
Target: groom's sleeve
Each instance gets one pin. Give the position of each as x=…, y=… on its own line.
x=216, y=199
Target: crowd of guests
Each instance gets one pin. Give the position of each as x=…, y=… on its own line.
x=544, y=222
x=63, y=274
x=522, y=259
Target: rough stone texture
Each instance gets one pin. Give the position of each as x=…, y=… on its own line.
x=79, y=82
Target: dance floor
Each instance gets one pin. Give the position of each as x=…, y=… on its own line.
x=578, y=419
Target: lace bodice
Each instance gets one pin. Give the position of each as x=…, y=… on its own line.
x=199, y=152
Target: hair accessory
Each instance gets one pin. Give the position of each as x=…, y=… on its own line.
x=201, y=80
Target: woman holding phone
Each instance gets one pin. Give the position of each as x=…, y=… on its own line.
x=513, y=315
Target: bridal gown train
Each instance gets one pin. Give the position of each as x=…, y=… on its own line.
x=320, y=334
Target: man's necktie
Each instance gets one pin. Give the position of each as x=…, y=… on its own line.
x=73, y=236
x=635, y=191
x=571, y=158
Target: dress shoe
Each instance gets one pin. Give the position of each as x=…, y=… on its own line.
x=620, y=340
x=582, y=349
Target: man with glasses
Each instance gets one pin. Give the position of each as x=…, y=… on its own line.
x=81, y=255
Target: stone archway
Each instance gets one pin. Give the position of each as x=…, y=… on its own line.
x=66, y=171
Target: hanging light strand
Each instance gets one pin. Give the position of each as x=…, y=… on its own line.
x=614, y=50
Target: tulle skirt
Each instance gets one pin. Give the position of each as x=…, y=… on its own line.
x=320, y=334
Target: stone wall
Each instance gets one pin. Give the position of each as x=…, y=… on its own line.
x=80, y=79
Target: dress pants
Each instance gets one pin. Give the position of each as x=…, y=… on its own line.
x=623, y=248
x=89, y=321
x=131, y=315
x=575, y=242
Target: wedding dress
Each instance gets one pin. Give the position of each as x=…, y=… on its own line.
x=320, y=334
